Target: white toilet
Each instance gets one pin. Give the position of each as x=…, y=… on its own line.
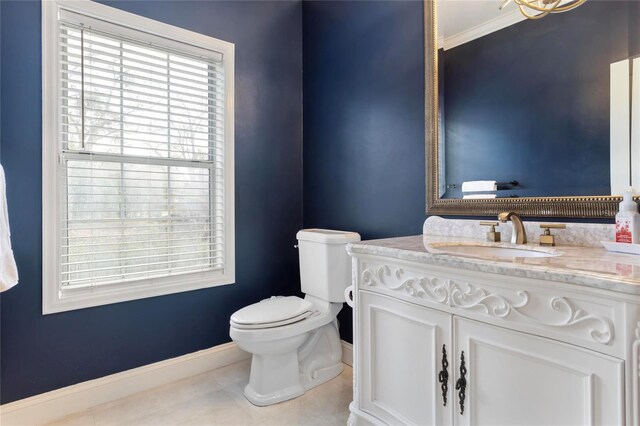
x=295, y=342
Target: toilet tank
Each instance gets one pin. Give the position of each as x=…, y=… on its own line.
x=325, y=266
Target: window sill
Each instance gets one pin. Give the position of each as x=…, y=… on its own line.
x=87, y=297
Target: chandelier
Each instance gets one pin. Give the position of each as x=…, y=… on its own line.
x=536, y=9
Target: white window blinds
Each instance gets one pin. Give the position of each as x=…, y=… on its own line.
x=141, y=136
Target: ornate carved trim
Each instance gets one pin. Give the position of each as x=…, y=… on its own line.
x=584, y=206
x=471, y=297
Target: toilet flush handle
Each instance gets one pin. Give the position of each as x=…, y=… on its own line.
x=348, y=295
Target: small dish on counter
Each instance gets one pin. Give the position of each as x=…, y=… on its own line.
x=621, y=247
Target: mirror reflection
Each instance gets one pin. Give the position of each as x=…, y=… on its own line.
x=535, y=108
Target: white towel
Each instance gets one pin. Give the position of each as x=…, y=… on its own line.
x=8, y=270
x=478, y=196
x=479, y=185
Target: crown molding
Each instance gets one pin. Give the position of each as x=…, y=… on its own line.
x=505, y=20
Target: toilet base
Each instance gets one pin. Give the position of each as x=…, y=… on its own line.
x=274, y=378
x=324, y=375
x=285, y=394
x=280, y=396
x=321, y=356
x=279, y=377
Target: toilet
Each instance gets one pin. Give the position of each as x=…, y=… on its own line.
x=295, y=342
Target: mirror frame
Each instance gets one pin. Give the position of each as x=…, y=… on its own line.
x=605, y=206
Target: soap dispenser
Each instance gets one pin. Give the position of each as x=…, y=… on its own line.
x=628, y=220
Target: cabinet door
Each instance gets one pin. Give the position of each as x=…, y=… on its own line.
x=514, y=378
x=400, y=359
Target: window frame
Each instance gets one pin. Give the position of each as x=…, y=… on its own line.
x=54, y=299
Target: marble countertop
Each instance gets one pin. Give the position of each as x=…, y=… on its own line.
x=585, y=266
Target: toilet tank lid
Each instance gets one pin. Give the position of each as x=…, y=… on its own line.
x=327, y=236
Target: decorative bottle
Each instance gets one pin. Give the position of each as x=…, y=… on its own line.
x=628, y=220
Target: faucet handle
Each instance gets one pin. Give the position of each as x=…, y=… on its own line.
x=492, y=235
x=547, y=239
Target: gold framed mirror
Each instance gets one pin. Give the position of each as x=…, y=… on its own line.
x=584, y=206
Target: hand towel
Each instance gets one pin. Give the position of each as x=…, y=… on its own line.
x=478, y=196
x=479, y=185
x=8, y=270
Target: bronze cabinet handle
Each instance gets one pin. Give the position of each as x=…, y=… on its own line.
x=443, y=376
x=461, y=384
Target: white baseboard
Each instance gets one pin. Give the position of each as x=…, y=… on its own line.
x=59, y=403
x=49, y=406
x=347, y=353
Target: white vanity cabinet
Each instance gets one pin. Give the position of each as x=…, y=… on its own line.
x=535, y=352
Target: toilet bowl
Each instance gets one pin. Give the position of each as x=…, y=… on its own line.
x=295, y=342
x=290, y=359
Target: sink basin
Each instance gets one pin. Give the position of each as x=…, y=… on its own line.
x=480, y=250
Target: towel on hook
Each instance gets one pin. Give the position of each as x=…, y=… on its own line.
x=479, y=185
x=8, y=270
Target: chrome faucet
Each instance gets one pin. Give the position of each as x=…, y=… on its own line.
x=519, y=235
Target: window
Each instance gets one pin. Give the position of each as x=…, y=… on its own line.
x=137, y=157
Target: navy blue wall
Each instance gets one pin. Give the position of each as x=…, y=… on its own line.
x=363, y=161
x=364, y=119
x=537, y=94
x=40, y=353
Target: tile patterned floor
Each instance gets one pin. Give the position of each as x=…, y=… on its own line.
x=216, y=398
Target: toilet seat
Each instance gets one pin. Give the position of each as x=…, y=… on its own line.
x=273, y=312
x=274, y=324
